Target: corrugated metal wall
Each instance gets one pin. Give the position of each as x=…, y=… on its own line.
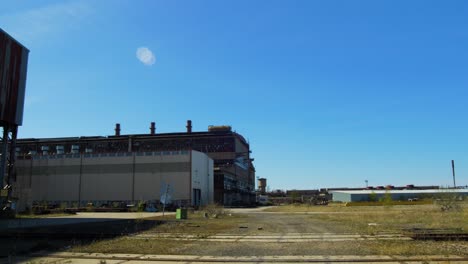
x=112, y=178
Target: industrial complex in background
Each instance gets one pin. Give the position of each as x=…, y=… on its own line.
x=213, y=166
x=324, y=196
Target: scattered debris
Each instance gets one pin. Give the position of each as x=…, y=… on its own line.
x=215, y=211
x=260, y=228
x=372, y=224
x=243, y=227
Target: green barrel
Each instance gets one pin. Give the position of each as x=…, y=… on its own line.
x=181, y=213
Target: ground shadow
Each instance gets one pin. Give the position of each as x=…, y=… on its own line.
x=27, y=239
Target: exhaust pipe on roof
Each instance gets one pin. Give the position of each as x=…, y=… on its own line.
x=153, y=128
x=189, y=126
x=117, y=129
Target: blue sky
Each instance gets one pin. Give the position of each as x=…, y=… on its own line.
x=329, y=93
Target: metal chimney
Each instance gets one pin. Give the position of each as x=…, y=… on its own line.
x=117, y=129
x=189, y=126
x=153, y=128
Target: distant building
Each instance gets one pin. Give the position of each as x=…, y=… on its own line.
x=302, y=192
x=365, y=195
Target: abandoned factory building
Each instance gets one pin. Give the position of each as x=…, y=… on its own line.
x=200, y=168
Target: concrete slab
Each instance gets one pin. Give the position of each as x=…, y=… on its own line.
x=137, y=258
x=82, y=217
x=118, y=215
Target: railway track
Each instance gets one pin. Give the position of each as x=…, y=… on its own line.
x=271, y=238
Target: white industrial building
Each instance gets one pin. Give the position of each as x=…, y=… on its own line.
x=365, y=195
x=103, y=178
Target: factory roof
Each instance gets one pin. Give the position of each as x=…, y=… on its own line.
x=137, y=136
x=403, y=191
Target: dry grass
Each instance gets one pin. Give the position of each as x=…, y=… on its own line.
x=323, y=248
x=395, y=219
x=196, y=225
x=338, y=220
x=128, y=245
x=306, y=208
x=340, y=207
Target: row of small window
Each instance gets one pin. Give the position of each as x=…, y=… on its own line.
x=102, y=203
x=119, y=154
x=164, y=153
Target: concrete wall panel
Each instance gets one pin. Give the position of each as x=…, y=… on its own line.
x=101, y=178
x=203, y=176
x=148, y=186
x=106, y=186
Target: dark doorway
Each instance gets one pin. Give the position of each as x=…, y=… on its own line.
x=196, y=197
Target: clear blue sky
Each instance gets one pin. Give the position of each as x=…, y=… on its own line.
x=329, y=93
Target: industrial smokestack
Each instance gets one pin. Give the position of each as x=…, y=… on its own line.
x=153, y=128
x=117, y=129
x=189, y=126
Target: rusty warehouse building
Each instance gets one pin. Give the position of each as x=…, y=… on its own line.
x=232, y=178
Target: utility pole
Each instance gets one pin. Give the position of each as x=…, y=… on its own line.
x=453, y=173
x=367, y=183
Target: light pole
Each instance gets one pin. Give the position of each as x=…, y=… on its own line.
x=453, y=174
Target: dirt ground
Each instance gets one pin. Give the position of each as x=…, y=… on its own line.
x=253, y=232
x=258, y=233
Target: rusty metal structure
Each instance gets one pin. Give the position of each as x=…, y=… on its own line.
x=234, y=173
x=13, y=69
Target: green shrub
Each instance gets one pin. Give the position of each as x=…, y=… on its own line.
x=372, y=197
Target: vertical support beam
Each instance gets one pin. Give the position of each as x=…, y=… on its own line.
x=191, y=178
x=133, y=177
x=130, y=144
x=7, y=162
x=80, y=179
x=12, y=158
x=3, y=152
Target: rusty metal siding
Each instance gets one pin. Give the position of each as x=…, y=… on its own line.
x=13, y=70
